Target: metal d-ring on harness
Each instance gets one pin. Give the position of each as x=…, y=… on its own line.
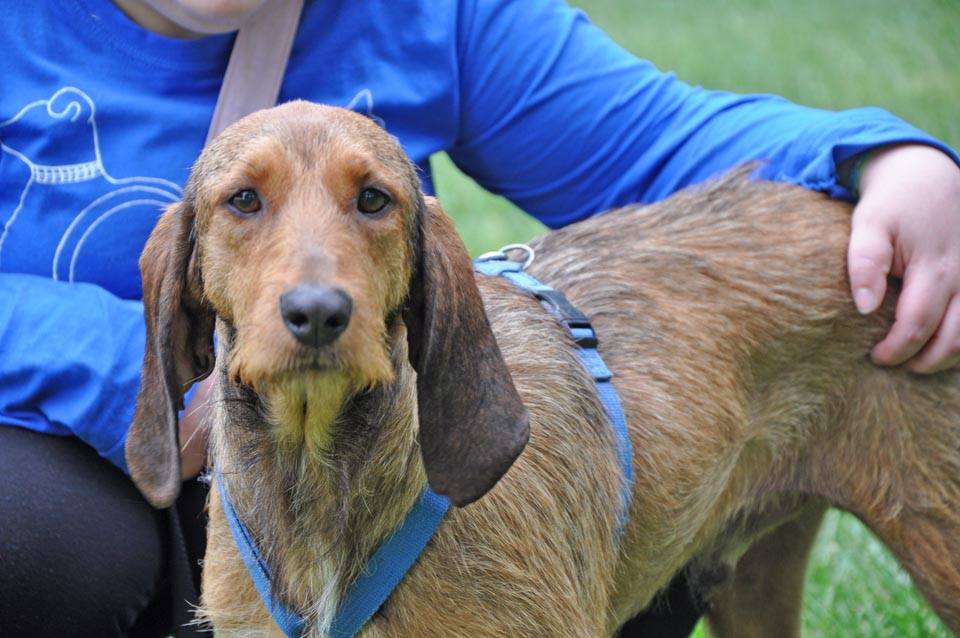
x=498, y=264
x=397, y=554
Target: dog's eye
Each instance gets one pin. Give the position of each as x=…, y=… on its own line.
x=372, y=201
x=246, y=202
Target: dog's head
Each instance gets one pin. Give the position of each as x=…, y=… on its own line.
x=304, y=230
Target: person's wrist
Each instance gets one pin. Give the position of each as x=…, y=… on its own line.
x=852, y=173
x=914, y=166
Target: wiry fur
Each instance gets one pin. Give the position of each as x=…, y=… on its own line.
x=739, y=358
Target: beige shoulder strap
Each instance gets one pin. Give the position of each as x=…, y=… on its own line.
x=257, y=63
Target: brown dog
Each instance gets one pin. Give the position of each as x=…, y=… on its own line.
x=723, y=312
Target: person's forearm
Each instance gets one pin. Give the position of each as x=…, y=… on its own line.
x=567, y=124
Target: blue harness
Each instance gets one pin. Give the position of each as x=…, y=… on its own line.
x=396, y=555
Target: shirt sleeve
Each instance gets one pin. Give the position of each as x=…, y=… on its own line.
x=558, y=118
x=70, y=359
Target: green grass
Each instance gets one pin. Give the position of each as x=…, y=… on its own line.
x=856, y=588
x=903, y=56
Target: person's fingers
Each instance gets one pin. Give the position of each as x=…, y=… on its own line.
x=868, y=262
x=194, y=431
x=922, y=303
x=943, y=350
x=193, y=454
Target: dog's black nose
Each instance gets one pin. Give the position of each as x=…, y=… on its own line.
x=315, y=315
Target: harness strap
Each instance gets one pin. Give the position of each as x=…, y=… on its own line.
x=389, y=564
x=583, y=334
x=287, y=620
x=384, y=571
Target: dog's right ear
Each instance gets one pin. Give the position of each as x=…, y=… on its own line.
x=179, y=351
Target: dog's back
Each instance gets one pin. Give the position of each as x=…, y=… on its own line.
x=744, y=370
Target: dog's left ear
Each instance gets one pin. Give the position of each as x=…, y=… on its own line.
x=473, y=424
x=179, y=351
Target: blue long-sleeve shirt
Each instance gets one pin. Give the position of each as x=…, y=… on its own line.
x=100, y=121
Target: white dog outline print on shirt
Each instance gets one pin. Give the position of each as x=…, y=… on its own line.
x=362, y=103
x=71, y=106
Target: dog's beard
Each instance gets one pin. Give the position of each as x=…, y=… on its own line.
x=302, y=406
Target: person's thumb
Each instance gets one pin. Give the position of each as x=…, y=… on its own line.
x=869, y=259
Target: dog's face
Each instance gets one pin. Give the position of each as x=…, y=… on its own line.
x=303, y=237
x=304, y=230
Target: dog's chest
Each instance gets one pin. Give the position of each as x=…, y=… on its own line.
x=325, y=578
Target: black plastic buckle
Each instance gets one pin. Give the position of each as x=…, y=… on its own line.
x=560, y=307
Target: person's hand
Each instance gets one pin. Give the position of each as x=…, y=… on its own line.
x=194, y=431
x=907, y=224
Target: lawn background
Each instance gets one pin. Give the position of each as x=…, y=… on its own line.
x=903, y=56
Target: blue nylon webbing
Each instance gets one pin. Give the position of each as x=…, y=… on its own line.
x=289, y=621
x=385, y=569
x=583, y=333
x=397, y=554
x=389, y=564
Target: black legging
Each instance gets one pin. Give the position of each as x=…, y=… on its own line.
x=82, y=553
x=673, y=614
